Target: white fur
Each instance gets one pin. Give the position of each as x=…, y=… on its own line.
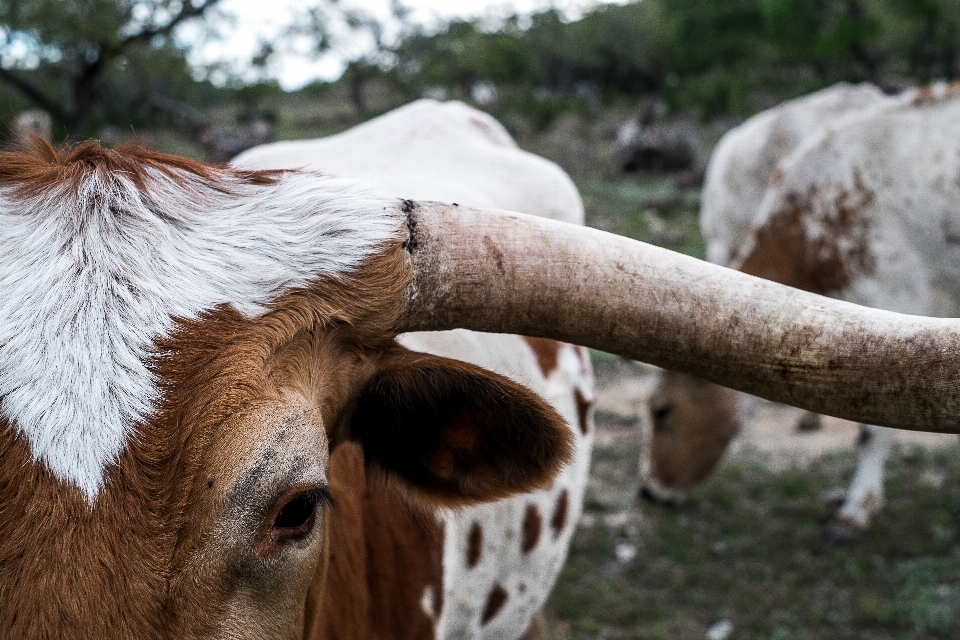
x=430, y=150
x=907, y=158
x=747, y=156
x=89, y=282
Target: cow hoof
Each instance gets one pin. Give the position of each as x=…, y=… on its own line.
x=842, y=532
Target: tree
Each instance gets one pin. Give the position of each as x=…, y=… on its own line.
x=91, y=62
x=357, y=37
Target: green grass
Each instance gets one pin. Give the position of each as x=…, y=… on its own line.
x=748, y=547
x=650, y=208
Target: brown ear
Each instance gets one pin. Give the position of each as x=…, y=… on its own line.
x=455, y=434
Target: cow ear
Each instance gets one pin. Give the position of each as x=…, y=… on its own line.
x=454, y=434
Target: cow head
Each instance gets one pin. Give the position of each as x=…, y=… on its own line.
x=690, y=423
x=175, y=374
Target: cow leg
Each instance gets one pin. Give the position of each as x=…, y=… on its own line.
x=865, y=496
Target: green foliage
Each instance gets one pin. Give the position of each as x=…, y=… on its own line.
x=95, y=62
x=714, y=56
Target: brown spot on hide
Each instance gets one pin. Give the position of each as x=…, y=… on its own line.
x=924, y=95
x=783, y=249
x=532, y=525
x=474, y=545
x=776, y=178
x=495, y=601
x=559, y=519
x=584, y=404
x=484, y=128
x=810, y=422
x=928, y=95
x=547, y=353
x=871, y=502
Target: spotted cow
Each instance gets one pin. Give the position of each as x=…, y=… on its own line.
x=863, y=210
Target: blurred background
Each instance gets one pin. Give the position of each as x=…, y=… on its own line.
x=630, y=98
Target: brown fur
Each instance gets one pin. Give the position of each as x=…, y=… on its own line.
x=495, y=601
x=559, y=519
x=547, y=352
x=532, y=526
x=584, y=407
x=926, y=95
x=693, y=422
x=781, y=250
x=42, y=168
x=474, y=545
x=149, y=559
x=384, y=556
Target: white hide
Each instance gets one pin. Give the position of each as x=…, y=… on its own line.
x=453, y=153
x=90, y=279
x=746, y=157
x=526, y=577
x=902, y=166
x=429, y=150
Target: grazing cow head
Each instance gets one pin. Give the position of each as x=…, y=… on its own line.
x=182, y=347
x=691, y=422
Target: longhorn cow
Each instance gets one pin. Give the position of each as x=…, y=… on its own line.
x=182, y=346
x=862, y=210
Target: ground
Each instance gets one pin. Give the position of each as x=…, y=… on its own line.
x=746, y=554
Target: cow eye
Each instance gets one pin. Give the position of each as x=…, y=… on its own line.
x=292, y=518
x=660, y=413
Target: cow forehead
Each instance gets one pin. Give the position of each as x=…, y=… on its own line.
x=94, y=272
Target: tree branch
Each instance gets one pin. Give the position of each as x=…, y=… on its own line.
x=187, y=12
x=33, y=94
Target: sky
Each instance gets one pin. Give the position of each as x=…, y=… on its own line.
x=254, y=21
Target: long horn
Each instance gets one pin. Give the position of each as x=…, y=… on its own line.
x=514, y=273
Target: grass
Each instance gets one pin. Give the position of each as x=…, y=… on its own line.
x=650, y=208
x=748, y=548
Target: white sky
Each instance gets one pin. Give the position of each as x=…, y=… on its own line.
x=257, y=20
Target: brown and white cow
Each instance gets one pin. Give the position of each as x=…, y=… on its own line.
x=747, y=156
x=182, y=346
x=493, y=565
x=690, y=421
x=862, y=211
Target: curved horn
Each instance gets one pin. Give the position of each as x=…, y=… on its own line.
x=514, y=273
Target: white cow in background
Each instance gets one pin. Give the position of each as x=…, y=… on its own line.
x=746, y=157
x=866, y=209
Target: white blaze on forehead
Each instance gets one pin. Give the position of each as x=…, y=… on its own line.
x=88, y=282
